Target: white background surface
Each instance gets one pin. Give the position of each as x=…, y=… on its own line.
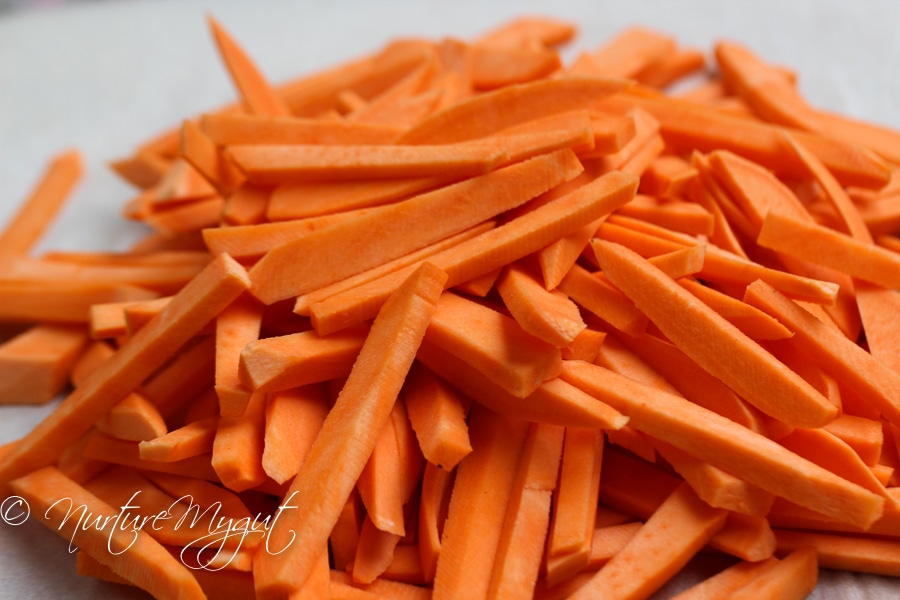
x=104, y=76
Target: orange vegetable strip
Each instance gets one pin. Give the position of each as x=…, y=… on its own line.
x=339, y=590
x=304, y=302
x=283, y=362
x=611, y=132
x=122, y=486
x=380, y=588
x=634, y=441
x=381, y=485
x=608, y=540
x=344, y=537
x=615, y=356
x=638, y=487
x=481, y=286
x=203, y=405
x=716, y=487
x=135, y=557
x=318, y=198
x=575, y=504
x=237, y=446
x=722, y=266
x=646, y=128
x=291, y=163
x=674, y=66
x=293, y=419
x=412, y=463
x=747, y=537
x=190, y=217
x=775, y=98
x=87, y=566
x=766, y=90
x=257, y=96
x=410, y=99
x=681, y=526
x=405, y=565
x=153, y=258
x=188, y=374
x=878, y=138
x=686, y=217
x=751, y=321
x=728, y=222
x=525, y=30
x=227, y=584
x=438, y=417
x=203, y=154
x=434, y=498
x=627, y=54
x=144, y=169
x=253, y=241
x=729, y=446
x=553, y=402
x=850, y=218
x=570, y=129
x=794, y=576
x=558, y=258
x=750, y=370
x=236, y=326
x=643, y=157
x=247, y=205
x=865, y=436
x=315, y=94
x=20, y=234
x=586, y=345
x=374, y=552
x=478, y=503
x=687, y=126
x=527, y=519
x=319, y=584
x=493, y=111
x=492, y=343
x=91, y=357
x=679, y=264
x=840, y=357
x=200, y=492
x=228, y=129
x=192, y=439
x=491, y=250
x=134, y=418
x=549, y=316
x=598, y=296
x=108, y=321
x=832, y=453
x=726, y=581
x=326, y=258
x=844, y=552
x=693, y=382
x=34, y=365
x=165, y=279
x=882, y=216
x=878, y=309
x=181, y=183
x=754, y=188
x=197, y=303
x=349, y=433
x=495, y=67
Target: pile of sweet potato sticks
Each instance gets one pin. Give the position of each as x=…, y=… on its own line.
x=459, y=320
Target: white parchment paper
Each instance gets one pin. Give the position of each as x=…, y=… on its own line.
x=104, y=76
